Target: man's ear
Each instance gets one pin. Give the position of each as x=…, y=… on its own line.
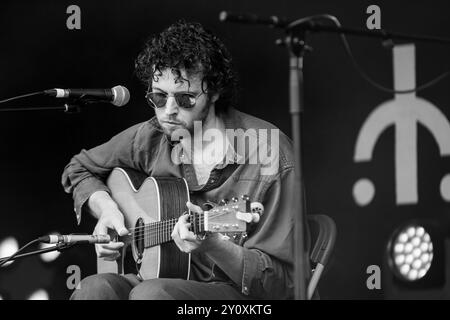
x=215, y=97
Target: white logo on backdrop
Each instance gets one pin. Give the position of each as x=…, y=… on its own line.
x=404, y=112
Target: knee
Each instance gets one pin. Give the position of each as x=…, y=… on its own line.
x=97, y=287
x=156, y=289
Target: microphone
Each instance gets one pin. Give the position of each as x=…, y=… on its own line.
x=76, y=238
x=249, y=18
x=118, y=96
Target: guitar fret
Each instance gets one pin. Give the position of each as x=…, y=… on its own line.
x=159, y=232
x=170, y=228
x=156, y=233
x=166, y=227
x=168, y=231
x=153, y=234
x=153, y=241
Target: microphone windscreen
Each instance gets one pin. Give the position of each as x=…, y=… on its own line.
x=121, y=96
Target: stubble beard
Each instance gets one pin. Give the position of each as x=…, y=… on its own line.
x=202, y=117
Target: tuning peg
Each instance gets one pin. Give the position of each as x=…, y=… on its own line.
x=255, y=217
x=245, y=197
x=234, y=199
x=223, y=202
x=257, y=207
x=257, y=210
x=247, y=217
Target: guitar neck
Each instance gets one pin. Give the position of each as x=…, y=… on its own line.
x=159, y=232
x=156, y=233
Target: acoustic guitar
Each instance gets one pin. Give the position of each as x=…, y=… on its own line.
x=151, y=208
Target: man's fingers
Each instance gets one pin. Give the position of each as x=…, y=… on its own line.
x=176, y=237
x=185, y=239
x=185, y=234
x=184, y=231
x=112, y=258
x=119, y=226
x=100, y=228
x=103, y=252
x=113, y=245
x=194, y=207
x=175, y=231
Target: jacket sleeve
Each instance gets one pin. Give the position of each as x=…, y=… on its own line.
x=87, y=171
x=268, y=271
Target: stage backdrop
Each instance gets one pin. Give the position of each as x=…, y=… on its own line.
x=373, y=160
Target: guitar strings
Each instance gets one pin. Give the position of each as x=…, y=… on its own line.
x=201, y=218
x=159, y=239
x=151, y=224
x=158, y=229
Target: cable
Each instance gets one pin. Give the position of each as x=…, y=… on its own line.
x=363, y=74
x=22, y=96
x=2, y=262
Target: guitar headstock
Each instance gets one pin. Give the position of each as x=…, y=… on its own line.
x=228, y=216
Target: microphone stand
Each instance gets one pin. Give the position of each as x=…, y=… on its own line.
x=295, y=42
x=59, y=246
x=67, y=108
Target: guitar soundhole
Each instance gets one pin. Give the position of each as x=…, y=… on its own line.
x=139, y=237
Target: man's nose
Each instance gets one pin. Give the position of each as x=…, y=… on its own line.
x=171, y=106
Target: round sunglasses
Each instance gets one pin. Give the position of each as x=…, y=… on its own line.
x=183, y=99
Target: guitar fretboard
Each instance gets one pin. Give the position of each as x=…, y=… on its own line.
x=159, y=232
x=156, y=233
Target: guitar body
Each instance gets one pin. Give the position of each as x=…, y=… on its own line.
x=144, y=200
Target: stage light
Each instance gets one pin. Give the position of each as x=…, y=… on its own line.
x=415, y=260
x=40, y=294
x=8, y=247
x=411, y=252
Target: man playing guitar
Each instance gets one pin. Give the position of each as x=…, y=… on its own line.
x=191, y=86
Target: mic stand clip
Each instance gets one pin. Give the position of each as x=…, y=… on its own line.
x=59, y=247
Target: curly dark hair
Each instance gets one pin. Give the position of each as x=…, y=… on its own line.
x=188, y=46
